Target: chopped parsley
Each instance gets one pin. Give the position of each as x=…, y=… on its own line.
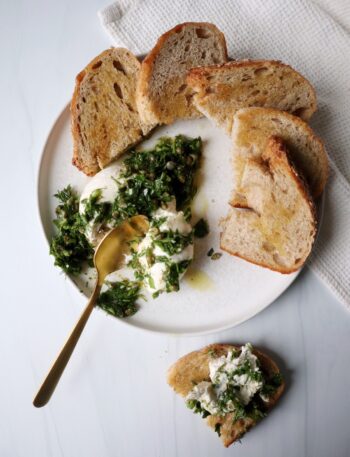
x=148, y=180
x=70, y=246
x=175, y=270
x=151, y=179
x=272, y=385
x=201, y=229
x=95, y=209
x=120, y=299
x=173, y=242
x=197, y=408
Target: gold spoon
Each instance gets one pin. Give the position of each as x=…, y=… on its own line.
x=108, y=258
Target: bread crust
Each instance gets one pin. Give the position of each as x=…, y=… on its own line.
x=195, y=367
x=145, y=103
x=275, y=156
x=317, y=190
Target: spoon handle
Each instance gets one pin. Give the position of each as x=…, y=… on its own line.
x=48, y=386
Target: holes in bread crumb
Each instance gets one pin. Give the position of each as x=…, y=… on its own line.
x=118, y=66
x=203, y=55
x=297, y=261
x=215, y=59
x=84, y=99
x=269, y=247
x=96, y=107
x=118, y=90
x=189, y=99
x=202, y=33
x=130, y=108
x=260, y=71
x=96, y=65
x=181, y=89
x=255, y=92
x=210, y=90
x=299, y=112
x=276, y=121
x=246, y=78
x=187, y=47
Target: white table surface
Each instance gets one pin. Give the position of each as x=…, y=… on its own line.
x=113, y=399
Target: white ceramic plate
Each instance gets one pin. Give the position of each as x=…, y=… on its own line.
x=214, y=295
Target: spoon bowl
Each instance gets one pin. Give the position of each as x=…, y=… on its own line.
x=109, y=256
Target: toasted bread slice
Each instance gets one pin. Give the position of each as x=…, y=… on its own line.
x=278, y=227
x=221, y=90
x=252, y=128
x=162, y=92
x=194, y=368
x=105, y=121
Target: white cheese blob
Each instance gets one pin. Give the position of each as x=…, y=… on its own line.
x=221, y=373
x=157, y=271
x=221, y=370
x=105, y=181
x=205, y=394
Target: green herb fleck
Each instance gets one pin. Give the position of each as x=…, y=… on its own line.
x=173, y=242
x=201, y=229
x=271, y=385
x=214, y=255
x=151, y=179
x=70, y=246
x=212, y=353
x=96, y=210
x=218, y=428
x=120, y=299
x=197, y=408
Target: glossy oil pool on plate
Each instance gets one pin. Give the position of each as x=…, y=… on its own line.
x=214, y=294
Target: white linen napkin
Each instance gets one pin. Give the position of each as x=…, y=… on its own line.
x=299, y=33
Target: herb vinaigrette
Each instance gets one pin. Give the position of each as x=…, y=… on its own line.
x=158, y=183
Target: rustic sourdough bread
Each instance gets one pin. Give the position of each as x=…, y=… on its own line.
x=194, y=368
x=277, y=228
x=221, y=90
x=162, y=92
x=252, y=128
x=105, y=121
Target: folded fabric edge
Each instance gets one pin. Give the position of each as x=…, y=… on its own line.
x=114, y=11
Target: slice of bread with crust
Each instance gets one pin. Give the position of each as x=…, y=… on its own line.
x=252, y=128
x=277, y=227
x=194, y=368
x=221, y=90
x=104, y=117
x=162, y=92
